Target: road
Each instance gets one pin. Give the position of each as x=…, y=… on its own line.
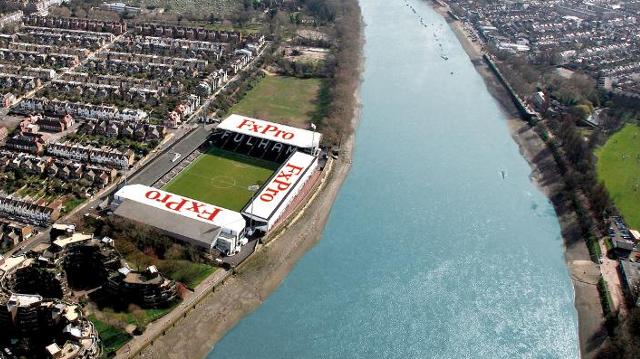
x=164, y=161
x=156, y=328
x=94, y=201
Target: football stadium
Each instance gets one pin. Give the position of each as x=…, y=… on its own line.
x=248, y=174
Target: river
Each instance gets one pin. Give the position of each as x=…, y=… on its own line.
x=439, y=245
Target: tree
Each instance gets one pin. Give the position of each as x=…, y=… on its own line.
x=61, y=11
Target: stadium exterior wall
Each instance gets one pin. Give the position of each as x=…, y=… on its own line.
x=301, y=138
x=282, y=188
x=202, y=224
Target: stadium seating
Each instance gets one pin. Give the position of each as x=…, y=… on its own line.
x=251, y=146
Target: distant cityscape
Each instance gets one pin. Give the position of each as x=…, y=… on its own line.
x=572, y=70
x=597, y=37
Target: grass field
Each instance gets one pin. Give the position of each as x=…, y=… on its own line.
x=112, y=338
x=221, y=178
x=189, y=273
x=109, y=325
x=619, y=168
x=181, y=270
x=287, y=100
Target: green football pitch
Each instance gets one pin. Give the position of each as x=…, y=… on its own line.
x=221, y=178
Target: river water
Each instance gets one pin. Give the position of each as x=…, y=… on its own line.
x=429, y=252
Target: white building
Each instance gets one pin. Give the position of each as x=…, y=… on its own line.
x=15, y=207
x=201, y=224
x=305, y=140
x=268, y=206
x=105, y=156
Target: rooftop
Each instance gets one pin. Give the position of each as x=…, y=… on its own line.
x=201, y=232
x=11, y=263
x=74, y=238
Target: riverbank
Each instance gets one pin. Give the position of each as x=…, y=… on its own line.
x=254, y=280
x=195, y=335
x=546, y=175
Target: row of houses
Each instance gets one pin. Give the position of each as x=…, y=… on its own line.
x=73, y=23
x=193, y=64
x=242, y=58
x=125, y=83
x=36, y=123
x=189, y=33
x=105, y=156
x=104, y=92
x=162, y=46
x=65, y=37
x=43, y=74
x=34, y=144
x=140, y=131
x=182, y=111
x=18, y=83
x=78, y=110
x=11, y=18
x=34, y=58
x=28, y=211
x=63, y=169
x=150, y=70
x=26, y=142
x=29, y=163
x=48, y=49
x=212, y=82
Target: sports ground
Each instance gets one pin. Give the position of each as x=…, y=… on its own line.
x=619, y=168
x=221, y=178
x=286, y=100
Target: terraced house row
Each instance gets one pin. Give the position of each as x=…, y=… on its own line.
x=79, y=110
x=67, y=170
x=76, y=24
x=104, y=156
x=28, y=211
x=186, y=32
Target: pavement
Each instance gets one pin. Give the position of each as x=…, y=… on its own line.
x=611, y=275
x=164, y=161
x=157, y=328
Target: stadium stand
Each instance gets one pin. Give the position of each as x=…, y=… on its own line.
x=262, y=139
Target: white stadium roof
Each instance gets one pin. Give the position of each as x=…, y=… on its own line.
x=274, y=193
x=271, y=131
x=183, y=206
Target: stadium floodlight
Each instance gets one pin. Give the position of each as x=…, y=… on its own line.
x=253, y=188
x=313, y=138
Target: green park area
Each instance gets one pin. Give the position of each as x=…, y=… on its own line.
x=112, y=337
x=282, y=99
x=110, y=325
x=172, y=264
x=222, y=178
x=619, y=168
